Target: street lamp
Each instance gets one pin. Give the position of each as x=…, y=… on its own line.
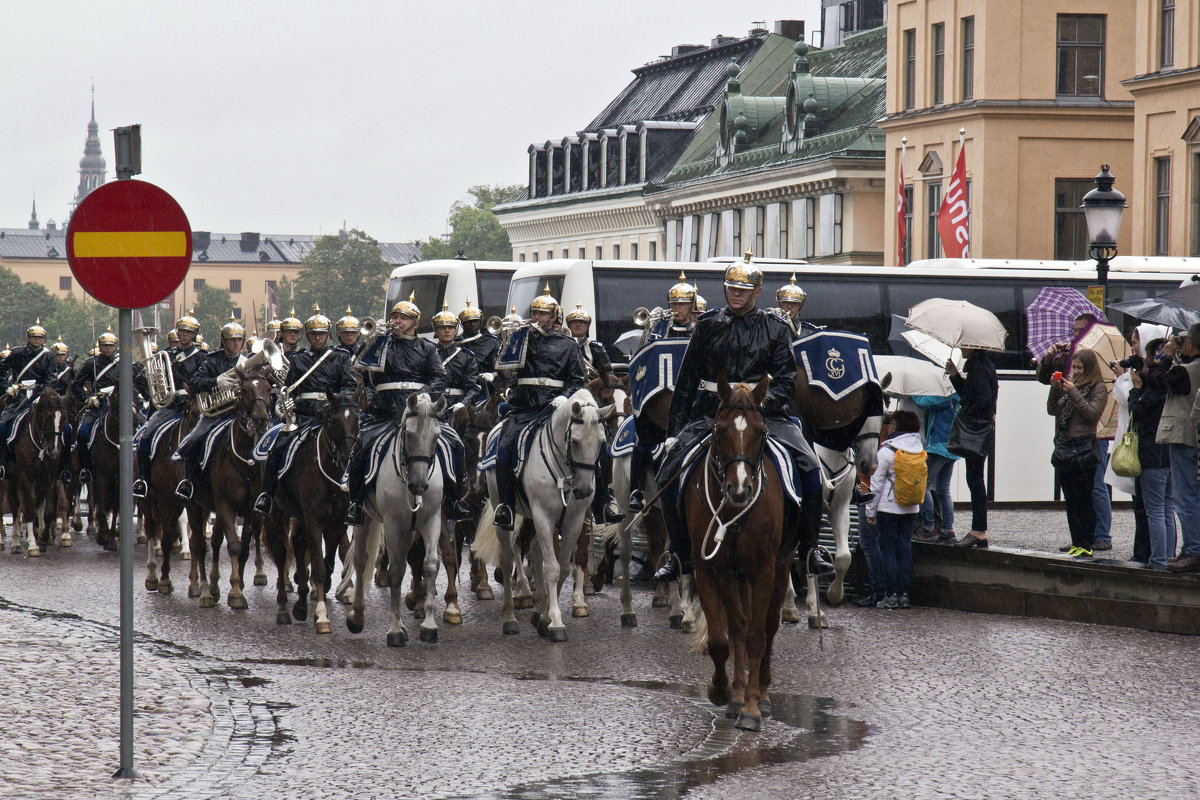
x=1103, y=207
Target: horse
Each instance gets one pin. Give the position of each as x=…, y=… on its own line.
x=162, y=510
x=103, y=494
x=34, y=459
x=312, y=493
x=557, y=483
x=233, y=483
x=407, y=498
x=742, y=559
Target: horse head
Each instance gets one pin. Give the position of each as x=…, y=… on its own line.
x=579, y=422
x=254, y=404
x=611, y=392
x=419, y=431
x=739, y=438
x=340, y=419
x=50, y=412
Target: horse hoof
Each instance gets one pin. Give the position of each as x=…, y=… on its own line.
x=260, y=580
x=324, y=626
x=428, y=634
x=151, y=584
x=238, y=601
x=748, y=723
x=764, y=708
x=300, y=612
x=523, y=602
x=790, y=615
x=688, y=627
x=659, y=602
x=718, y=697
x=410, y=601
x=558, y=634
x=344, y=598
x=141, y=538
x=675, y=621
x=165, y=587
x=733, y=709
x=193, y=591
x=452, y=617
x=818, y=622
x=289, y=587
x=380, y=580
x=77, y=526
x=207, y=601
x=534, y=619
x=66, y=541
x=511, y=628
x=185, y=555
x=588, y=590
x=484, y=594
x=397, y=639
x=16, y=548
x=283, y=618
x=354, y=623
x=629, y=620
x=33, y=552
x=579, y=611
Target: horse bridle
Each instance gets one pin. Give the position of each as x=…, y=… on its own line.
x=721, y=466
x=566, y=456
x=42, y=448
x=244, y=421
x=337, y=456
x=405, y=458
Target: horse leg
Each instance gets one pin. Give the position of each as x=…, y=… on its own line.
x=783, y=585
x=839, y=521
x=396, y=543
x=237, y=558
x=759, y=596
x=523, y=591
x=260, y=565
x=788, y=611
x=687, y=596
x=345, y=588
x=431, y=533
x=451, y=561
x=718, y=638
x=362, y=547
x=302, y=541
x=625, y=553
x=323, y=540
x=675, y=605
x=554, y=571
x=579, y=606
x=31, y=544
x=153, y=533
x=656, y=535
x=185, y=553
x=210, y=572
x=415, y=598
x=277, y=545
x=197, y=544
x=507, y=606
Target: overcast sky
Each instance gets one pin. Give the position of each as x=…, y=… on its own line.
x=292, y=117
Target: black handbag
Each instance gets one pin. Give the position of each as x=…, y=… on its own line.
x=1076, y=453
x=971, y=438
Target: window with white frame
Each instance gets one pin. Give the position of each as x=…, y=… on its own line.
x=810, y=227
x=837, y=222
x=760, y=230
x=784, y=208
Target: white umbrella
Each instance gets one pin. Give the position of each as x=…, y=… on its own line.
x=913, y=376
x=958, y=323
x=937, y=352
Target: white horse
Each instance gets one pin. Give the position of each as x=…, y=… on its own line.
x=559, y=480
x=407, y=498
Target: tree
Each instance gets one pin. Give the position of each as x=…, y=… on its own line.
x=79, y=320
x=475, y=229
x=340, y=271
x=213, y=309
x=22, y=305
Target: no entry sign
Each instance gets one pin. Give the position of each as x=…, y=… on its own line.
x=129, y=244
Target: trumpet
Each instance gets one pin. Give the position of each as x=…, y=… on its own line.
x=644, y=316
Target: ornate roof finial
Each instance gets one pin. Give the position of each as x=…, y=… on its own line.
x=33, y=220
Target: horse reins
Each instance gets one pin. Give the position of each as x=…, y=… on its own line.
x=567, y=479
x=244, y=421
x=714, y=463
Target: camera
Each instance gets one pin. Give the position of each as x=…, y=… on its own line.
x=1133, y=362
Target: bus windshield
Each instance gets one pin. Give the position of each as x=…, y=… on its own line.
x=427, y=291
x=522, y=291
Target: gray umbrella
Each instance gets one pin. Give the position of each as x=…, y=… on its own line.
x=896, y=340
x=1159, y=310
x=627, y=342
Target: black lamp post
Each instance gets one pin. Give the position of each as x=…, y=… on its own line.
x=1103, y=207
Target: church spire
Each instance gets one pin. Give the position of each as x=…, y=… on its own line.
x=92, y=165
x=33, y=220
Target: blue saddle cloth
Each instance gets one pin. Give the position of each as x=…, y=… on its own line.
x=625, y=440
x=793, y=480
x=655, y=368
x=379, y=452
x=14, y=424
x=162, y=431
x=262, y=448
x=491, y=450
x=836, y=361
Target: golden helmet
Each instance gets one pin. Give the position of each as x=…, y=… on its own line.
x=348, y=322
x=36, y=329
x=682, y=292
x=153, y=347
x=172, y=338
x=188, y=322
x=470, y=313
x=544, y=302
x=791, y=293
x=408, y=308
x=743, y=274
x=7, y=349
x=232, y=330
x=108, y=337
x=699, y=305
x=273, y=325
x=318, y=322
x=444, y=318
x=291, y=323
x=60, y=347
x=513, y=318
x=580, y=314
x=203, y=345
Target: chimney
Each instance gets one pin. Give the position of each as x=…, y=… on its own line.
x=683, y=49
x=721, y=39
x=790, y=28
x=249, y=242
x=201, y=239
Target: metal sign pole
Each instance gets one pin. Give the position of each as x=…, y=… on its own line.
x=125, y=377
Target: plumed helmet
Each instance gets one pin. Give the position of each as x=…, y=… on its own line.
x=203, y=345
x=60, y=347
x=291, y=323
x=580, y=314
x=36, y=329
x=188, y=322
x=348, y=322
x=108, y=337
x=444, y=318
x=743, y=274
x=172, y=337
x=232, y=330
x=318, y=322
x=470, y=313
x=273, y=325
x=7, y=349
x=682, y=292
x=408, y=308
x=700, y=305
x=513, y=318
x=791, y=293
x=544, y=302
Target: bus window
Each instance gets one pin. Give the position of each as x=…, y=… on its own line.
x=428, y=291
x=620, y=292
x=851, y=305
x=999, y=297
x=522, y=291
x=493, y=290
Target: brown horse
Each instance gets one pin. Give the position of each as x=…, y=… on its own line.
x=312, y=493
x=33, y=469
x=742, y=547
x=103, y=501
x=162, y=510
x=227, y=490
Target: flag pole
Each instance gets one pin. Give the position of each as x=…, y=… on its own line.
x=901, y=227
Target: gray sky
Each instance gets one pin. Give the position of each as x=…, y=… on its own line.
x=292, y=117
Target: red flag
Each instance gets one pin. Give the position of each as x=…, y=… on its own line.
x=901, y=228
x=952, y=216
x=272, y=302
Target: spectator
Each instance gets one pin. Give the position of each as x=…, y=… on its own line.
x=1144, y=333
x=939, y=418
x=894, y=521
x=977, y=393
x=1176, y=429
x=868, y=540
x=1153, y=486
x=1077, y=403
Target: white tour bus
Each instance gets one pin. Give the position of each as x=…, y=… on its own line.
x=863, y=300
x=452, y=282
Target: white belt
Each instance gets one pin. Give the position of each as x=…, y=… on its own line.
x=455, y=392
x=403, y=386
x=311, y=396
x=709, y=386
x=553, y=384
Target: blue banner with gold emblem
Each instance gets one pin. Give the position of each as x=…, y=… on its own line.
x=512, y=349
x=836, y=361
x=653, y=369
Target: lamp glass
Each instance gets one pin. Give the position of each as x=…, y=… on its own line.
x=1103, y=222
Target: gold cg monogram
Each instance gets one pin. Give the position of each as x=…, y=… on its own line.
x=834, y=366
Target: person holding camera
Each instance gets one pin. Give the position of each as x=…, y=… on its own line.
x=1152, y=488
x=1177, y=431
x=1077, y=403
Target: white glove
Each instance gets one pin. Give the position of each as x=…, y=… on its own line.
x=669, y=444
x=558, y=402
x=225, y=382
x=93, y=402
x=454, y=409
x=12, y=390
x=488, y=376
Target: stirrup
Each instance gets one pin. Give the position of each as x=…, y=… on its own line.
x=673, y=570
x=354, y=514
x=85, y=475
x=637, y=500
x=263, y=504
x=819, y=562
x=139, y=488
x=611, y=512
x=503, y=518
x=184, y=490
x=458, y=511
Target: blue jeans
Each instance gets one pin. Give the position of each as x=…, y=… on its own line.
x=941, y=472
x=1160, y=513
x=1186, y=491
x=1101, y=500
x=868, y=540
x=895, y=542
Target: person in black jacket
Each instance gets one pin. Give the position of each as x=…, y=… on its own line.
x=483, y=345
x=348, y=333
x=1153, y=485
x=977, y=393
x=61, y=373
x=31, y=362
x=462, y=369
x=595, y=356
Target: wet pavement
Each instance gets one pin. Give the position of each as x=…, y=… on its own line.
x=921, y=703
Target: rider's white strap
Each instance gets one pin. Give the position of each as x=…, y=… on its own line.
x=708, y=386
x=551, y=382
x=328, y=352
x=450, y=357
x=104, y=371
x=454, y=392
x=310, y=396
x=32, y=361
x=400, y=386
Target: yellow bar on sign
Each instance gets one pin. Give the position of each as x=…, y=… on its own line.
x=130, y=244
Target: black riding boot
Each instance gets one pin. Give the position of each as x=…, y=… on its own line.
x=637, y=479
x=141, y=487
x=357, y=486
x=187, y=486
x=679, y=559
x=604, y=506
x=85, y=460
x=263, y=503
x=452, y=503
x=506, y=487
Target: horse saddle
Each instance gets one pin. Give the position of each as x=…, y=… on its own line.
x=491, y=451
x=210, y=442
x=793, y=479
x=14, y=424
x=837, y=361
x=158, y=434
x=382, y=446
x=302, y=435
x=262, y=448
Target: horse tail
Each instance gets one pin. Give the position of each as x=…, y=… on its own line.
x=699, y=645
x=486, y=546
x=611, y=534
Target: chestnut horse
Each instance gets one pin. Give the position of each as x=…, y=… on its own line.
x=33, y=471
x=162, y=510
x=103, y=501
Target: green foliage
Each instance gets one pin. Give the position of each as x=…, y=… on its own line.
x=475, y=229
x=79, y=320
x=212, y=309
x=339, y=271
x=21, y=305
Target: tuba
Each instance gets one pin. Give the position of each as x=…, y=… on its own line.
x=159, y=375
x=266, y=357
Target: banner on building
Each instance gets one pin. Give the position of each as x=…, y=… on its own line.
x=271, y=309
x=901, y=228
x=953, y=215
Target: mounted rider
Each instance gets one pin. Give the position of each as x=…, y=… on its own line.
x=94, y=381
x=483, y=345
x=61, y=372
x=462, y=369
x=402, y=364
x=347, y=334
x=289, y=334
x=313, y=374
x=745, y=343
x=594, y=353
x=681, y=299
x=791, y=299
x=24, y=371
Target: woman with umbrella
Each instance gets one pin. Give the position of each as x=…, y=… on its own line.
x=978, y=391
x=1076, y=402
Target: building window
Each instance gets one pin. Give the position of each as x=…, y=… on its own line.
x=566, y=253
x=535, y=257
x=237, y=312
x=736, y=233
x=599, y=252
x=1080, y=55
x=714, y=234
x=616, y=251
x=908, y=223
x=582, y=253
x=64, y=283
x=235, y=285
x=549, y=255
x=837, y=222
x=633, y=251
x=679, y=239
x=1166, y=35
x=653, y=250
x=933, y=244
x=1070, y=227
x=910, y=68
x=760, y=229
x=694, y=244
x=939, y=63
x=521, y=258
x=270, y=285
x=197, y=284
x=810, y=227
x=968, y=58
x=1162, y=205
x=783, y=230
x=1195, y=248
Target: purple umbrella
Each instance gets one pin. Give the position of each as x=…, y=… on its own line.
x=1051, y=315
